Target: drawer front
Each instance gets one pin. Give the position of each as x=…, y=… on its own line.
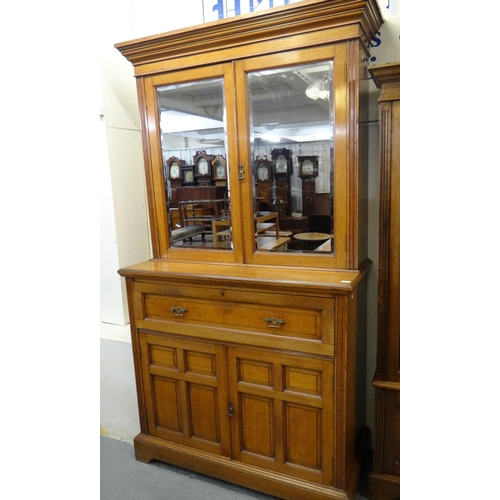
x=294, y=316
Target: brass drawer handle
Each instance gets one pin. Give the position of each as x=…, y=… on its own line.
x=178, y=311
x=274, y=322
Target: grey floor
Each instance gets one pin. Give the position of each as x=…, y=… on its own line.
x=124, y=478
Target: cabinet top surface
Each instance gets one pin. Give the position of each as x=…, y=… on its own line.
x=269, y=276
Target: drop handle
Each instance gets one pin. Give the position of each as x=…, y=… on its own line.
x=178, y=311
x=274, y=322
x=230, y=411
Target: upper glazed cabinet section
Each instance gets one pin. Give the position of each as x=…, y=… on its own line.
x=251, y=135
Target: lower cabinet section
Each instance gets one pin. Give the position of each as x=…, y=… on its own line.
x=256, y=406
x=255, y=385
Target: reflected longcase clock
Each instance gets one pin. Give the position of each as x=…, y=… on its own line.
x=219, y=171
x=283, y=169
x=264, y=178
x=187, y=175
x=203, y=168
x=308, y=171
x=173, y=172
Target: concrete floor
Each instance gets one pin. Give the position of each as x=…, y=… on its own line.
x=124, y=478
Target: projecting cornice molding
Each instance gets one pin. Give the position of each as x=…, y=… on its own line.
x=385, y=73
x=353, y=19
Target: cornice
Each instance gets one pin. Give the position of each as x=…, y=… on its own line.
x=385, y=73
x=296, y=19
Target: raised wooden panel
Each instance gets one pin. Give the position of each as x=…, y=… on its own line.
x=256, y=418
x=255, y=372
x=203, y=412
x=167, y=410
x=163, y=356
x=200, y=363
x=304, y=381
x=303, y=425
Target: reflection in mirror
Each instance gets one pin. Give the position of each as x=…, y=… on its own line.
x=193, y=141
x=291, y=124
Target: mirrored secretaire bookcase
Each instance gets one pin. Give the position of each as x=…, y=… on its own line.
x=247, y=323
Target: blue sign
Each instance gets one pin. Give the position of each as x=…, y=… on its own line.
x=220, y=9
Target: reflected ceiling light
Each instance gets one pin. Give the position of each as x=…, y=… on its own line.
x=313, y=92
x=270, y=138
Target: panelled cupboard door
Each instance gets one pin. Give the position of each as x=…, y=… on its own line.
x=185, y=384
x=283, y=412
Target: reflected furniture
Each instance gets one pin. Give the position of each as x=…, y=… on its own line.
x=187, y=233
x=195, y=193
x=221, y=230
x=308, y=171
x=176, y=216
x=384, y=481
x=190, y=216
x=200, y=205
x=249, y=356
x=311, y=240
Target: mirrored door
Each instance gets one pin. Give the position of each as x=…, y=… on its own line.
x=291, y=124
x=192, y=129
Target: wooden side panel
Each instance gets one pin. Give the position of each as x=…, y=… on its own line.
x=384, y=480
x=391, y=433
x=394, y=253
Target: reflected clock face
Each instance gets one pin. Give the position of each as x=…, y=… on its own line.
x=307, y=167
x=219, y=170
x=175, y=172
x=262, y=172
x=281, y=165
x=202, y=166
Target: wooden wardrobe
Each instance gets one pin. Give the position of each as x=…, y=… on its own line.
x=384, y=480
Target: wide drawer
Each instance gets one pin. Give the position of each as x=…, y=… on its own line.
x=174, y=308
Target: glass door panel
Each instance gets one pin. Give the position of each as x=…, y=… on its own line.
x=192, y=119
x=291, y=132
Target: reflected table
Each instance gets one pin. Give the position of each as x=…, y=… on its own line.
x=310, y=241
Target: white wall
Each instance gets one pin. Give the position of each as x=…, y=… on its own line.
x=124, y=223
